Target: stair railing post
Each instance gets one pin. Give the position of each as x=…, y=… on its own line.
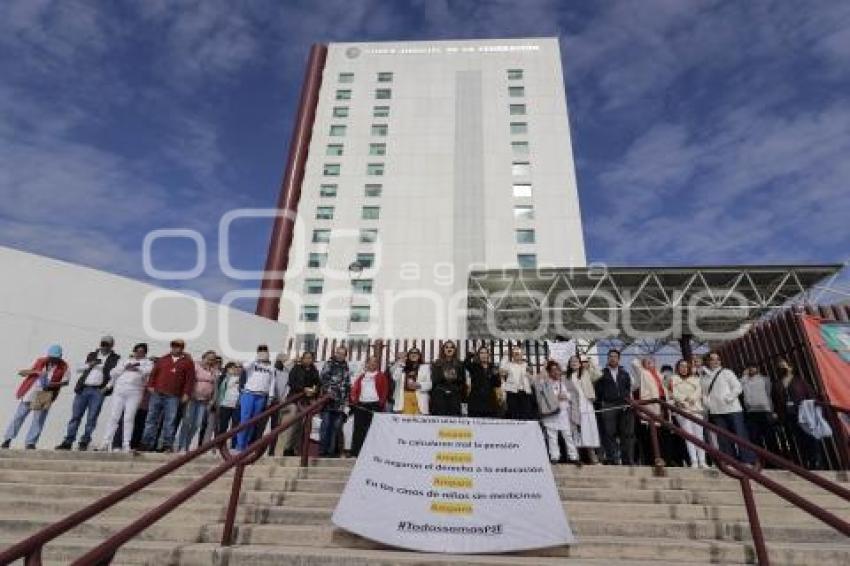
x=232, y=504
x=755, y=525
x=306, y=429
x=659, y=462
x=34, y=557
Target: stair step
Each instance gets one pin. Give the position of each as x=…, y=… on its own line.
x=304, y=511
x=65, y=549
x=706, y=529
x=605, y=546
x=176, y=529
x=208, y=554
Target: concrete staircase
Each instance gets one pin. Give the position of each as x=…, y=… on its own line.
x=622, y=515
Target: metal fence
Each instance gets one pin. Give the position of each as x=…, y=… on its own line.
x=783, y=337
x=536, y=351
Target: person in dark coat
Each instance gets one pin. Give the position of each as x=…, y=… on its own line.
x=613, y=388
x=303, y=378
x=447, y=382
x=789, y=391
x=484, y=382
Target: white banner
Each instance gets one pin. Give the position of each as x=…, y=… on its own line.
x=456, y=485
x=561, y=352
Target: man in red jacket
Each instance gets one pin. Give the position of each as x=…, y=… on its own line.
x=170, y=384
x=37, y=392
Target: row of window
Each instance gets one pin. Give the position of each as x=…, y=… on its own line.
x=367, y=213
x=380, y=94
x=337, y=149
x=339, y=130
x=382, y=77
x=387, y=94
x=387, y=76
x=318, y=260
x=316, y=286
x=334, y=169
x=370, y=235
x=359, y=313
x=377, y=111
x=371, y=190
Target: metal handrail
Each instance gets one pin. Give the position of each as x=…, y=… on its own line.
x=30, y=548
x=745, y=473
x=103, y=553
x=764, y=455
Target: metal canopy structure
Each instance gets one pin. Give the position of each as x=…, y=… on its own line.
x=635, y=303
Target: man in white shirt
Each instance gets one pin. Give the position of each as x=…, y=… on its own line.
x=259, y=386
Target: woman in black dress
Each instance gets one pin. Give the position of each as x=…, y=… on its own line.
x=447, y=382
x=484, y=382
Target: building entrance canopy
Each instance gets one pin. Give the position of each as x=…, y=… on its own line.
x=635, y=303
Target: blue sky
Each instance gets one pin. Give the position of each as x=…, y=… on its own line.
x=704, y=132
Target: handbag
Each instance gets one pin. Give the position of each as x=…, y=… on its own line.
x=546, y=404
x=41, y=401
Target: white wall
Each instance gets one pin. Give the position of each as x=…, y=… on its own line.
x=45, y=301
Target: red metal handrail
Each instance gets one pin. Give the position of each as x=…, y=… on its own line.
x=103, y=553
x=745, y=474
x=30, y=548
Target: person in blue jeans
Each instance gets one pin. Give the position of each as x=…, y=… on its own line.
x=94, y=377
x=36, y=393
x=170, y=384
x=336, y=381
x=721, y=390
x=259, y=386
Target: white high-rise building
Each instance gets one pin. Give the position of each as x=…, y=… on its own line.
x=428, y=160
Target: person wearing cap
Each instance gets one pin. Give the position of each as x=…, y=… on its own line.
x=128, y=387
x=260, y=377
x=95, y=375
x=171, y=383
x=36, y=393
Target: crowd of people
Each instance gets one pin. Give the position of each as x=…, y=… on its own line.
x=173, y=402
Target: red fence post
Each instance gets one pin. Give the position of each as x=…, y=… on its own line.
x=230, y=517
x=755, y=524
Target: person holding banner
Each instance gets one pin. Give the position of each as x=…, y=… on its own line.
x=483, y=384
x=447, y=382
x=413, y=382
x=558, y=403
x=517, y=379
x=368, y=395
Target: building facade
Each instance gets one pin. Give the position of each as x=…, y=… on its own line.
x=428, y=160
